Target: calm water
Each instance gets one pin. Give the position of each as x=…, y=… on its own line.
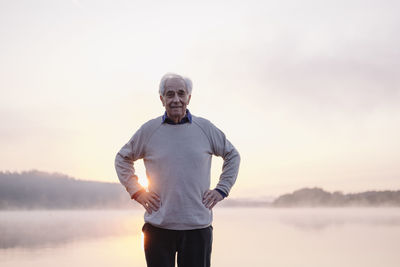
x=345, y=237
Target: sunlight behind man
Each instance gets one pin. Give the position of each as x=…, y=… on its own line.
x=143, y=181
x=141, y=173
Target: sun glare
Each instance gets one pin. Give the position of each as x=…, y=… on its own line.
x=143, y=181
x=141, y=173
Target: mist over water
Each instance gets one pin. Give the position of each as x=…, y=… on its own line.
x=46, y=228
x=242, y=237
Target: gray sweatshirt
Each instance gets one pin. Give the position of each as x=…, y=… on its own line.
x=178, y=162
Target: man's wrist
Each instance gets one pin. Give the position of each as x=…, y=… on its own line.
x=138, y=193
x=221, y=192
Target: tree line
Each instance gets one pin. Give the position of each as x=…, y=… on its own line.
x=42, y=190
x=312, y=197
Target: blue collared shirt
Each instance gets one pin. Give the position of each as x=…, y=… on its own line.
x=187, y=118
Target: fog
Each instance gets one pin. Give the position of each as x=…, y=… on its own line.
x=49, y=228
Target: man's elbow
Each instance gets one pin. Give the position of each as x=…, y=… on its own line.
x=119, y=161
x=236, y=156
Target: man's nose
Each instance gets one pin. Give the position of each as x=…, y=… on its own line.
x=176, y=98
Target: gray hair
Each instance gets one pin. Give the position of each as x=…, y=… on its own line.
x=169, y=75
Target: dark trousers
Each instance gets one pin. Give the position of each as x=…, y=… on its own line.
x=192, y=246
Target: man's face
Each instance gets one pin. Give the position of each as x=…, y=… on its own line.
x=175, y=98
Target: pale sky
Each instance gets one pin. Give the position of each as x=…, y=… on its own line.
x=307, y=91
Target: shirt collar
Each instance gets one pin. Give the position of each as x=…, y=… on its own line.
x=187, y=118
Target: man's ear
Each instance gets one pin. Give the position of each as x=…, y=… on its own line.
x=162, y=100
x=190, y=96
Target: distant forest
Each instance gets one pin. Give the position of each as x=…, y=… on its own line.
x=42, y=190
x=314, y=197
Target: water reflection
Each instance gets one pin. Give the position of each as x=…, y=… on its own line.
x=38, y=229
x=242, y=237
x=318, y=219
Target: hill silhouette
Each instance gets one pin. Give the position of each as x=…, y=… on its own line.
x=42, y=190
x=312, y=197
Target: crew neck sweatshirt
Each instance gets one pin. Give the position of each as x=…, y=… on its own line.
x=178, y=162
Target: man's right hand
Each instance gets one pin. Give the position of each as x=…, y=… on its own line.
x=149, y=200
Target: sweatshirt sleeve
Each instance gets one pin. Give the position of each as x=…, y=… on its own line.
x=124, y=162
x=230, y=168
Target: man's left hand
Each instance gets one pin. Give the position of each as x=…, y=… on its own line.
x=211, y=198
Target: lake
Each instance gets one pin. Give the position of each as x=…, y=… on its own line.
x=304, y=237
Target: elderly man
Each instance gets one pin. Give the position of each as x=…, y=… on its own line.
x=177, y=149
